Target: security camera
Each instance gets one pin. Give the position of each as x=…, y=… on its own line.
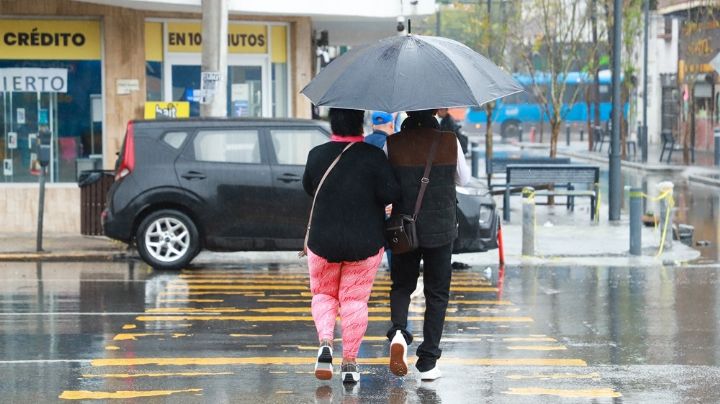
x=414, y=2
x=400, y=24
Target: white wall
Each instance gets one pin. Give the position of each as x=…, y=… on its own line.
x=662, y=58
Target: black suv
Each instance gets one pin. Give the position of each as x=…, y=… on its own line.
x=232, y=185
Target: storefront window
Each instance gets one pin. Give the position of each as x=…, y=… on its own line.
x=56, y=89
x=279, y=88
x=279, y=71
x=76, y=128
x=154, y=61
x=257, y=75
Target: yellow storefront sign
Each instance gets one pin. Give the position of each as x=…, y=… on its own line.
x=153, y=42
x=167, y=110
x=242, y=38
x=49, y=39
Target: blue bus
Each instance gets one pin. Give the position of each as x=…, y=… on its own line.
x=524, y=108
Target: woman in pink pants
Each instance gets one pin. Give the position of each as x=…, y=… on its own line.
x=346, y=239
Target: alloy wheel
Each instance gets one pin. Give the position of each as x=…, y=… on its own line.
x=167, y=239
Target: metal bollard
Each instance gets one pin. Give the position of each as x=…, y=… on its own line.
x=582, y=134
x=664, y=206
x=475, y=161
x=520, y=131
x=717, y=147
x=567, y=136
x=636, y=202
x=528, y=225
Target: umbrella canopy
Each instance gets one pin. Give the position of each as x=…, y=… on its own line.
x=410, y=73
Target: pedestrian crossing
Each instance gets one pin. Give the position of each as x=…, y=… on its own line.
x=202, y=329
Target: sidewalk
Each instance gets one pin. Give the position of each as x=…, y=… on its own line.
x=60, y=247
x=562, y=238
x=702, y=171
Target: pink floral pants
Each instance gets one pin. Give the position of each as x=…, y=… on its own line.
x=343, y=287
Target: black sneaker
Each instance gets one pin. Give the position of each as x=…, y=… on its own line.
x=350, y=373
x=323, y=366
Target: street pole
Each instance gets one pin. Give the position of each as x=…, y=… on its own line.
x=636, y=201
x=490, y=105
x=41, y=211
x=644, y=135
x=214, y=58
x=438, y=23
x=615, y=188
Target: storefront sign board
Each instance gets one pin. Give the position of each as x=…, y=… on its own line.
x=242, y=38
x=165, y=110
x=49, y=39
x=33, y=80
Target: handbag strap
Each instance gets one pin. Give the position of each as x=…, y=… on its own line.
x=425, y=180
x=322, y=180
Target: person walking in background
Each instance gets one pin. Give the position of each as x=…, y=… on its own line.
x=383, y=126
x=436, y=230
x=346, y=235
x=448, y=124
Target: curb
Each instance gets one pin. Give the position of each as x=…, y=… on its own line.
x=701, y=179
x=71, y=256
x=623, y=163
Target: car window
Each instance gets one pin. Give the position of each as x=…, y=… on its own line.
x=174, y=139
x=292, y=145
x=227, y=146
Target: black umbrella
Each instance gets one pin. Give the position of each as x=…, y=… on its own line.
x=409, y=73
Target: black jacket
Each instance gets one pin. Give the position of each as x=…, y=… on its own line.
x=348, y=220
x=408, y=151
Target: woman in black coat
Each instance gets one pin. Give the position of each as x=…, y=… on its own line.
x=346, y=235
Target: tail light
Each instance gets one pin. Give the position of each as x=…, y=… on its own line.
x=127, y=159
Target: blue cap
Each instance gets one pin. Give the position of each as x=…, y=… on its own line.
x=380, y=118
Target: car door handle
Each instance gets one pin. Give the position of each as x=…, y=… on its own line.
x=289, y=178
x=193, y=175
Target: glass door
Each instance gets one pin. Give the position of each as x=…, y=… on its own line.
x=248, y=86
x=245, y=91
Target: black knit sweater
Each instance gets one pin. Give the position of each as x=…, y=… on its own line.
x=349, y=215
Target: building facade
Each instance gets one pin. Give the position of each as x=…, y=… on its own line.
x=696, y=82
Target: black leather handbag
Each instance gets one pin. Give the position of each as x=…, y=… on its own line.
x=400, y=231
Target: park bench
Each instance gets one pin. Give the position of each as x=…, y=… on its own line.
x=557, y=179
x=668, y=145
x=600, y=137
x=499, y=165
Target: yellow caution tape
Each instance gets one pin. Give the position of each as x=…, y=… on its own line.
x=670, y=205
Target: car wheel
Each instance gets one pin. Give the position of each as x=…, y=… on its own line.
x=167, y=239
x=511, y=129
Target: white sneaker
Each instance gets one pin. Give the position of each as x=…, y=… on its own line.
x=323, y=366
x=432, y=374
x=350, y=373
x=398, y=355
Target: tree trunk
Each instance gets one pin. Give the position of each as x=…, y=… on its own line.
x=596, y=79
x=588, y=104
x=555, y=124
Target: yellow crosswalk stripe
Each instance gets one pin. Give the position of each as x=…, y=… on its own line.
x=306, y=360
x=103, y=395
x=138, y=375
x=470, y=319
x=567, y=393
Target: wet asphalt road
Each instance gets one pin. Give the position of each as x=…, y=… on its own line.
x=121, y=332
